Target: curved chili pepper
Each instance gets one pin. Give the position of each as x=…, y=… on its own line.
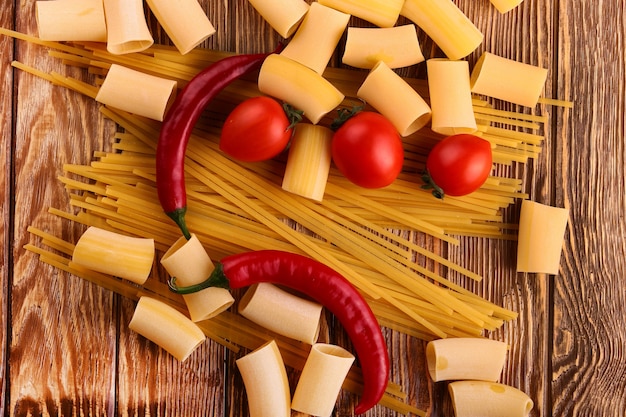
x=179, y=123
x=325, y=286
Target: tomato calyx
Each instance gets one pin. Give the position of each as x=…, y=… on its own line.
x=429, y=184
x=344, y=114
x=293, y=115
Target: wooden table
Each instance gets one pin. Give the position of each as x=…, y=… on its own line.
x=66, y=348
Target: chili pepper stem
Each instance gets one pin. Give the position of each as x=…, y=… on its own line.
x=217, y=279
x=430, y=185
x=178, y=216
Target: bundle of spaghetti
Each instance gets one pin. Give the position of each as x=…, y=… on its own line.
x=228, y=329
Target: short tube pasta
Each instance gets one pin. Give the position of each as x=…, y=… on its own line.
x=282, y=312
x=450, y=97
x=397, y=47
x=540, y=238
x=265, y=379
x=184, y=21
x=321, y=379
x=298, y=85
x=167, y=327
x=383, y=13
x=188, y=262
x=127, y=30
x=465, y=359
x=137, y=92
x=504, y=6
x=317, y=37
x=446, y=25
x=308, y=161
x=71, y=20
x=508, y=80
x=115, y=254
x=395, y=99
x=488, y=399
x=284, y=16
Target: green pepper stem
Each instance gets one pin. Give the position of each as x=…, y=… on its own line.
x=178, y=216
x=216, y=279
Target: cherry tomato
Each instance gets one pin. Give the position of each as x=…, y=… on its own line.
x=458, y=165
x=368, y=150
x=256, y=130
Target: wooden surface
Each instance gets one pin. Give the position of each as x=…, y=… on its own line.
x=65, y=346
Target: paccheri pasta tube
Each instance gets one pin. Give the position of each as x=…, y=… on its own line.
x=284, y=16
x=308, y=161
x=71, y=20
x=167, y=327
x=446, y=25
x=127, y=30
x=541, y=236
x=317, y=37
x=115, y=254
x=450, y=97
x=188, y=262
x=265, y=378
x=322, y=377
x=504, y=6
x=383, y=13
x=488, y=399
x=137, y=92
x=395, y=99
x=298, y=85
x=397, y=47
x=282, y=312
x=184, y=21
x=508, y=80
x=465, y=359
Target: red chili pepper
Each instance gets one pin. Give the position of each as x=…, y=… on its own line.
x=324, y=285
x=179, y=123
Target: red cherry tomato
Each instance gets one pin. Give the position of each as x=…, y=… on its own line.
x=458, y=165
x=368, y=150
x=256, y=130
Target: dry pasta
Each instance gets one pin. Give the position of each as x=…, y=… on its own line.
x=383, y=13
x=71, y=20
x=127, y=30
x=265, y=379
x=282, y=312
x=397, y=47
x=394, y=98
x=112, y=253
x=322, y=376
x=284, y=16
x=188, y=262
x=317, y=37
x=504, y=6
x=167, y=327
x=488, y=399
x=137, y=92
x=465, y=359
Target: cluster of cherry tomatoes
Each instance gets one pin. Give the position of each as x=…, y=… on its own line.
x=366, y=148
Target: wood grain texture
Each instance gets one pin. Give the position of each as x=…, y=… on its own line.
x=67, y=349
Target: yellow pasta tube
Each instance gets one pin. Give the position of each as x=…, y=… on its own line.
x=137, y=92
x=321, y=379
x=395, y=99
x=504, y=6
x=383, y=13
x=308, y=161
x=71, y=20
x=167, y=327
x=298, y=85
x=445, y=24
x=188, y=262
x=127, y=30
x=508, y=80
x=540, y=238
x=115, y=254
x=397, y=47
x=465, y=358
x=282, y=312
x=488, y=399
x=450, y=97
x=317, y=37
x=265, y=379
x=184, y=21
x=284, y=16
